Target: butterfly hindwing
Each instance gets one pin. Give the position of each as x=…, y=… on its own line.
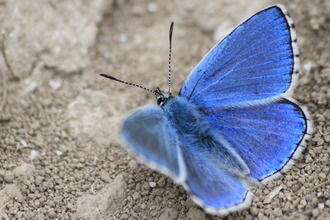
x=265, y=136
x=212, y=187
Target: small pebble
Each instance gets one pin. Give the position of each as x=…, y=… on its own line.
x=33, y=155
x=133, y=164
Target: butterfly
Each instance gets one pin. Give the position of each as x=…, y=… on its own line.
x=234, y=123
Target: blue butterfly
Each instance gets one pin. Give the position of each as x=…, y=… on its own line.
x=233, y=124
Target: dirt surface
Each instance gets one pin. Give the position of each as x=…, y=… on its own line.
x=59, y=154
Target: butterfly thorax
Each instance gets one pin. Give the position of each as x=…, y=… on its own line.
x=184, y=115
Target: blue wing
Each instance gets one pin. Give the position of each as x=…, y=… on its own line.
x=265, y=136
x=147, y=134
x=215, y=189
x=256, y=61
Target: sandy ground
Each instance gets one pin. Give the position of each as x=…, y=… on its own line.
x=59, y=154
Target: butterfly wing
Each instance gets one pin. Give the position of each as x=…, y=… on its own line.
x=148, y=135
x=215, y=189
x=267, y=137
x=256, y=61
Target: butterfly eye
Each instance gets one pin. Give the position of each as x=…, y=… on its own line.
x=160, y=100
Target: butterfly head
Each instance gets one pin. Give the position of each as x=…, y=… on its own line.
x=161, y=96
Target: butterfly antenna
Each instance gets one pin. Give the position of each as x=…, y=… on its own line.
x=169, y=58
x=128, y=83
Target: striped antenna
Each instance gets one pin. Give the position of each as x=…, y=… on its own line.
x=169, y=58
x=128, y=83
